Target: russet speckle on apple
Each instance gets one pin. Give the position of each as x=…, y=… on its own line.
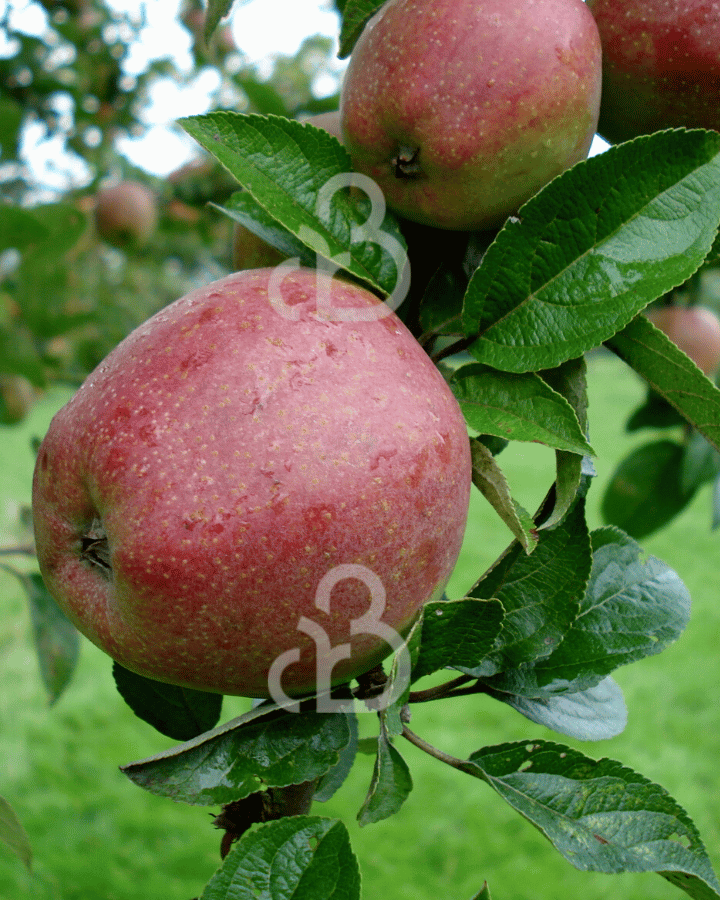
x=226, y=456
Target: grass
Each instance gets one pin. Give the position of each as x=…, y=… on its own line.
x=95, y=835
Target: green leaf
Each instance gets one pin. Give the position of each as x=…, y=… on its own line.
x=263, y=748
x=355, y=16
x=457, y=633
x=633, y=608
x=300, y=175
x=654, y=412
x=540, y=593
x=441, y=305
x=570, y=381
x=716, y=504
x=489, y=479
x=670, y=373
x=13, y=835
x=595, y=714
x=264, y=96
x=646, y=490
x=335, y=777
x=700, y=463
x=594, y=247
x=63, y=224
x=517, y=407
x=484, y=893
x=599, y=814
x=216, y=10
x=177, y=712
x=295, y=858
x=19, y=356
x=57, y=641
x=20, y=228
x=241, y=208
x=390, y=785
x=11, y=119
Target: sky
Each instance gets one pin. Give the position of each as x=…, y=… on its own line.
x=260, y=29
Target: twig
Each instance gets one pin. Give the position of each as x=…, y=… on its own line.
x=19, y=550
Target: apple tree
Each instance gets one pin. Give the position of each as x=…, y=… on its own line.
x=506, y=316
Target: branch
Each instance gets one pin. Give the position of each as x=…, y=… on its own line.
x=19, y=550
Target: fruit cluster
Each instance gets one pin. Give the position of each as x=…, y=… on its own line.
x=246, y=441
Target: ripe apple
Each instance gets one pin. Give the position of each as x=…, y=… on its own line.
x=695, y=330
x=126, y=214
x=661, y=65
x=328, y=121
x=461, y=110
x=239, y=448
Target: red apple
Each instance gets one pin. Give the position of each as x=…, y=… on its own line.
x=695, y=330
x=126, y=214
x=461, y=110
x=661, y=65
x=233, y=457
x=328, y=121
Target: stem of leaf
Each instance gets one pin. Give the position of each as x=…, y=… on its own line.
x=461, y=764
x=439, y=692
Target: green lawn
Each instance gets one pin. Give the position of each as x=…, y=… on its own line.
x=95, y=835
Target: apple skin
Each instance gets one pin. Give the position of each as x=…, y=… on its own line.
x=695, y=330
x=224, y=458
x=126, y=214
x=461, y=110
x=661, y=65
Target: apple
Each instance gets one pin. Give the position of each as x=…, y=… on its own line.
x=17, y=396
x=695, y=330
x=461, y=110
x=328, y=121
x=242, y=451
x=126, y=213
x=661, y=65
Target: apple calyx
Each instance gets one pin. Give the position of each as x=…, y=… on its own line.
x=94, y=548
x=405, y=164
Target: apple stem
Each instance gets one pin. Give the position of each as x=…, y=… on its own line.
x=406, y=163
x=94, y=548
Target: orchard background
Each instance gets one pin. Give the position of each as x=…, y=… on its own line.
x=71, y=288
